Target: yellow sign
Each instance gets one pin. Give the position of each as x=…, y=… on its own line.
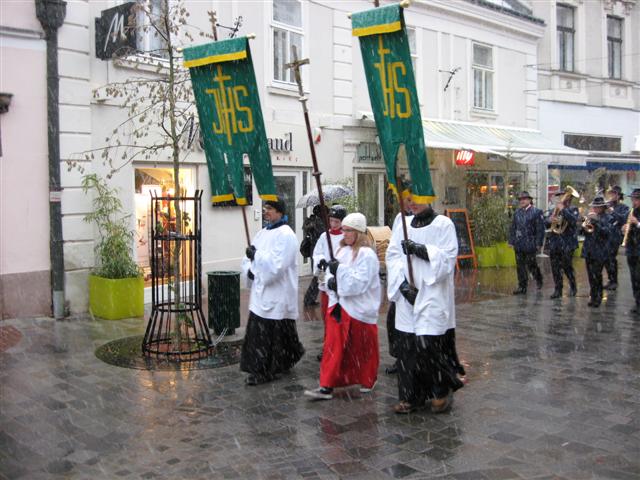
x=232, y=115
x=389, y=81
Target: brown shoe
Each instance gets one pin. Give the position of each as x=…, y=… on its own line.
x=442, y=405
x=404, y=408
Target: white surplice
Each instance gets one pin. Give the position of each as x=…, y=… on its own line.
x=274, y=290
x=434, y=309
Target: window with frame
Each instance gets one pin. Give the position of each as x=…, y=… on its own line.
x=151, y=36
x=287, y=33
x=565, y=36
x=411, y=36
x=482, y=67
x=614, y=46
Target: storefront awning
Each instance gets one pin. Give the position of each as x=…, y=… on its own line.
x=524, y=145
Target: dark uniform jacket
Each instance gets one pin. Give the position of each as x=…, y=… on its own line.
x=633, y=239
x=619, y=214
x=567, y=241
x=597, y=245
x=527, y=230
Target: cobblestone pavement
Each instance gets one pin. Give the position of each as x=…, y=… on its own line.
x=553, y=392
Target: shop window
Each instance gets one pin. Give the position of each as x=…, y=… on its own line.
x=287, y=33
x=565, y=36
x=482, y=77
x=480, y=184
x=614, y=46
x=158, y=181
x=596, y=143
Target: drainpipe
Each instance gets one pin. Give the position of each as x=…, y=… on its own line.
x=51, y=14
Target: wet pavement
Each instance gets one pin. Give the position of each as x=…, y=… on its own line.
x=553, y=392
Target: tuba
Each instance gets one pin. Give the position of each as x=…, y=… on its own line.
x=558, y=225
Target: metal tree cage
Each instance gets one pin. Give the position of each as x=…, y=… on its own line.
x=176, y=328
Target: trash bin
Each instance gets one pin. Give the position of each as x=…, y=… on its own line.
x=224, y=301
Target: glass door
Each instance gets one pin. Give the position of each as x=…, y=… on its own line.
x=370, y=194
x=289, y=188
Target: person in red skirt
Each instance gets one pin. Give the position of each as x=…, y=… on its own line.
x=321, y=254
x=351, y=355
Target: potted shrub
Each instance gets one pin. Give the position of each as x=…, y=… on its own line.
x=116, y=285
x=506, y=256
x=488, y=222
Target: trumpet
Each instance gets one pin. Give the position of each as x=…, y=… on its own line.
x=558, y=225
x=628, y=226
x=587, y=226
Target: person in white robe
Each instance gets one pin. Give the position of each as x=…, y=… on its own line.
x=321, y=255
x=351, y=353
x=271, y=344
x=425, y=311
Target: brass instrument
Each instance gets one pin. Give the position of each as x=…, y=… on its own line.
x=558, y=225
x=628, y=225
x=587, y=226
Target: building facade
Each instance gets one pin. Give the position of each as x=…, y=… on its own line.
x=477, y=92
x=589, y=81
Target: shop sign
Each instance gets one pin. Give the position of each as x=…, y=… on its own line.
x=465, y=157
x=369, y=152
x=281, y=144
x=116, y=32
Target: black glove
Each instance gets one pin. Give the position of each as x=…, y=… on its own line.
x=413, y=248
x=333, y=266
x=322, y=265
x=332, y=284
x=250, y=252
x=409, y=292
x=250, y=275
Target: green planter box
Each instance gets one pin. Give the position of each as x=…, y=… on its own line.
x=506, y=256
x=487, y=256
x=116, y=299
x=578, y=251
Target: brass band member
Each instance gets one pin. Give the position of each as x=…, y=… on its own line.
x=563, y=240
x=619, y=211
x=526, y=237
x=632, y=244
x=597, y=229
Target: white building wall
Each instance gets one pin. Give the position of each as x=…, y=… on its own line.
x=24, y=174
x=334, y=83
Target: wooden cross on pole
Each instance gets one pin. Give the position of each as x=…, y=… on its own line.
x=295, y=66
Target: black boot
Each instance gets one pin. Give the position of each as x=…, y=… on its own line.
x=539, y=283
x=636, y=309
x=557, y=293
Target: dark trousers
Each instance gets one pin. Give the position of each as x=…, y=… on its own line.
x=425, y=368
x=391, y=330
x=634, y=270
x=311, y=295
x=524, y=262
x=594, y=272
x=611, y=266
x=561, y=262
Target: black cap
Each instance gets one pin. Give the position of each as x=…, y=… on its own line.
x=635, y=193
x=598, y=202
x=524, y=194
x=278, y=205
x=616, y=189
x=338, y=211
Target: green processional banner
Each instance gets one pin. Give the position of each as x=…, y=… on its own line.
x=392, y=90
x=231, y=121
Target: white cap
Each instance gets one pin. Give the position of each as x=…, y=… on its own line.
x=357, y=221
